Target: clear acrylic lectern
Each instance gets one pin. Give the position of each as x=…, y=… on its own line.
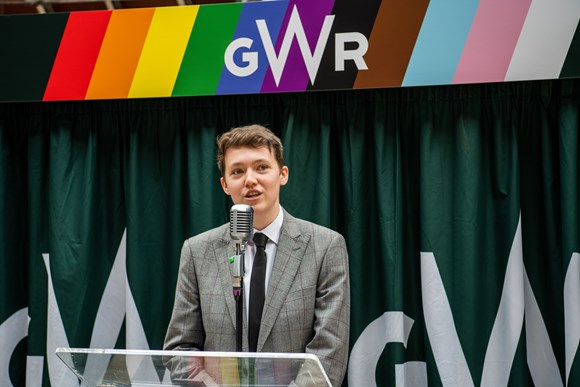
x=120, y=367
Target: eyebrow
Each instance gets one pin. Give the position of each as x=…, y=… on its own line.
x=258, y=161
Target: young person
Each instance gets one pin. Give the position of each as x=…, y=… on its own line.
x=307, y=296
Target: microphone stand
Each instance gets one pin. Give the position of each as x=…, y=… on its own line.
x=238, y=290
x=241, y=220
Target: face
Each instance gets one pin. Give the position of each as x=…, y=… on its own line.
x=252, y=176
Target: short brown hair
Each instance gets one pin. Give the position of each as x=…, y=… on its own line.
x=253, y=136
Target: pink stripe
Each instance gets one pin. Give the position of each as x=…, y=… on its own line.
x=491, y=41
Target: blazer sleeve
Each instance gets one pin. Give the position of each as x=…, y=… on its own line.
x=185, y=330
x=332, y=311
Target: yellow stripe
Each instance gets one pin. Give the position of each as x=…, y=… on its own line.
x=163, y=51
x=230, y=374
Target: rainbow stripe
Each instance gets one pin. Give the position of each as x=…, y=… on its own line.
x=440, y=42
x=78, y=52
x=220, y=49
x=488, y=51
x=125, y=39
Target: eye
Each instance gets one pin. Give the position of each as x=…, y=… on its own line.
x=237, y=171
x=263, y=167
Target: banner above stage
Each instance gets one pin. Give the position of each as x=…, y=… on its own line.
x=284, y=46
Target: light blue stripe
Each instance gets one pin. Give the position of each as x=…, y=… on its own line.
x=440, y=42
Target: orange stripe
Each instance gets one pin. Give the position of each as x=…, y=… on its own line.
x=120, y=53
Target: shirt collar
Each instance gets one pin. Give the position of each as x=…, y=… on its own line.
x=273, y=230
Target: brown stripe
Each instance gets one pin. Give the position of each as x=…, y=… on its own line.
x=391, y=43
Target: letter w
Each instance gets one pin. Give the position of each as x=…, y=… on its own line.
x=517, y=304
x=517, y=298
x=117, y=304
x=295, y=28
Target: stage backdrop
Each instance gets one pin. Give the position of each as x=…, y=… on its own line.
x=459, y=205
x=283, y=46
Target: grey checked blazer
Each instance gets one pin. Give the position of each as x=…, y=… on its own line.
x=307, y=307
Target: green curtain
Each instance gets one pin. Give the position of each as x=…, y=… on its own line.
x=459, y=205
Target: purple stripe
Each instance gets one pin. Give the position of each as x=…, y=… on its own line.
x=295, y=76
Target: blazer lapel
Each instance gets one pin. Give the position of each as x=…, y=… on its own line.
x=289, y=254
x=224, y=249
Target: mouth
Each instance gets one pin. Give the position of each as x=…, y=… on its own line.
x=252, y=195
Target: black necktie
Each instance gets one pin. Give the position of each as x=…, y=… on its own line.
x=257, y=290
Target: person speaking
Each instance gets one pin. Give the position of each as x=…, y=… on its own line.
x=296, y=292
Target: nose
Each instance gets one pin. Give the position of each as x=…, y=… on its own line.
x=250, y=178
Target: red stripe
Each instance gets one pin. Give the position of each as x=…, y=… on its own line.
x=77, y=55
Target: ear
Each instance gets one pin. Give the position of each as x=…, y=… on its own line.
x=284, y=175
x=224, y=186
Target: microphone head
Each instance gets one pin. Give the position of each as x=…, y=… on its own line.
x=241, y=222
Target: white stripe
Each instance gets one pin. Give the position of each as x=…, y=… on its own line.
x=440, y=326
x=110, y=315
x=544, y=40
x=140, y=368
x=12, y=331
x=34, y=370
x=572, y=311
x=509, y=320
x=59, y=373
x=411, y=374
x=541, y=358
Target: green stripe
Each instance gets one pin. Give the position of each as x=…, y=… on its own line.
x=204, y=57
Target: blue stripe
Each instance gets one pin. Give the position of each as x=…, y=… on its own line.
x=273, y=13
x=440, y=42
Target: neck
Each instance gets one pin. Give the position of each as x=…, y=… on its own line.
x=261, y=222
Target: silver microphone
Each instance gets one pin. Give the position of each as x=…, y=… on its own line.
x=241, y=230
x=241, y=225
